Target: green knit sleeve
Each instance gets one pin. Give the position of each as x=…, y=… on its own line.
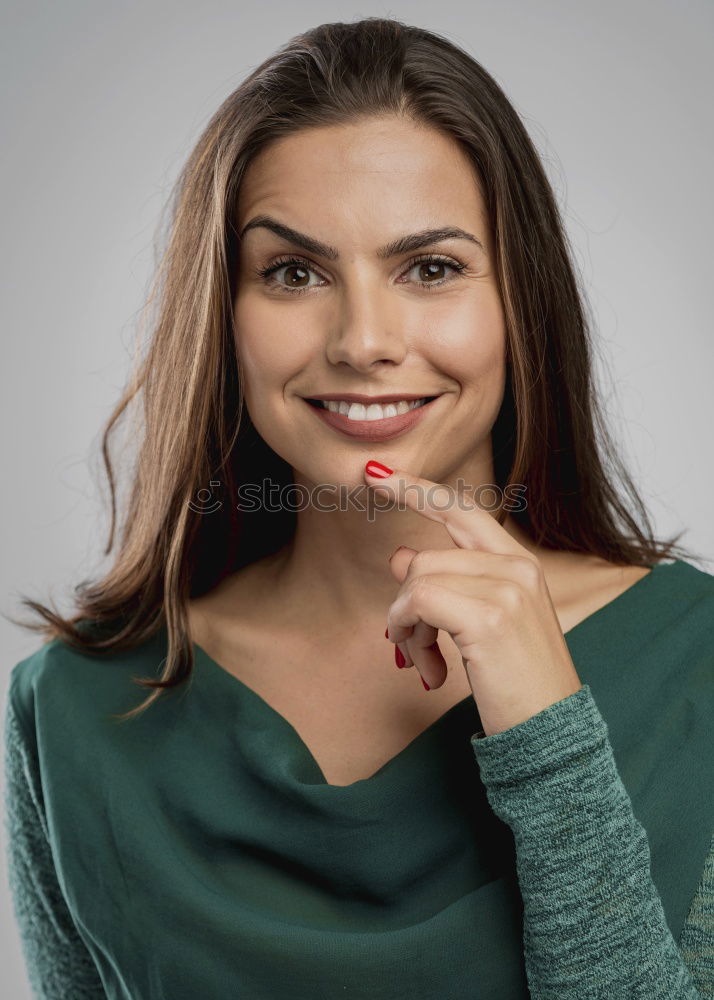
x=697, y=939
x=59, y=966
x=556, y=771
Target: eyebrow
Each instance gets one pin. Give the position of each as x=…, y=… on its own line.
x=403, y=244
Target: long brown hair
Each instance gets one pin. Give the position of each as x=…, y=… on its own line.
x=550, y=433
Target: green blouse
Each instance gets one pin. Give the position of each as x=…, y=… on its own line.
x=198, y=853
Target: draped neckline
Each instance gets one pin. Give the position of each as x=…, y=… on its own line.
x=229, y=686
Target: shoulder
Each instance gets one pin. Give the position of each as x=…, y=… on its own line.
x=678, y=593
x=685, y=602
x=66, y=684
x=699, y=579
x=28, y=677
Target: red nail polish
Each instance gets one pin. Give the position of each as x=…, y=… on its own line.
x=426, y=686
x=378, y=470
x=386, y=632
x=399, y=656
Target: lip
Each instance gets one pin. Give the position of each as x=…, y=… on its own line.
x=371, y=430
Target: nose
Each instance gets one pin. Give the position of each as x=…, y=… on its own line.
x=367, y=329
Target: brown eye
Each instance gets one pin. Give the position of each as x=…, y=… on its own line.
x=427, y=271
x=299, y=276
x=430, y=271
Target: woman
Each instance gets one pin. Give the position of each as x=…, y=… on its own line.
x=365, y=223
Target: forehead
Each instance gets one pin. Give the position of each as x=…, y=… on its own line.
x=376, y=174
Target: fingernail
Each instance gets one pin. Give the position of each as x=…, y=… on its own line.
x=373, y=468
x=425, y=684
x=386, y=632
x=399, y=657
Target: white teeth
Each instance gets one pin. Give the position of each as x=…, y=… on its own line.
x=375, y=411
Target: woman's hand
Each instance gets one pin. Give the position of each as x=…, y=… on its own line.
x=490, y=595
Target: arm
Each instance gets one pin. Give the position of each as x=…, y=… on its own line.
x=58, y=963
x=697, y=939
x=594, y=925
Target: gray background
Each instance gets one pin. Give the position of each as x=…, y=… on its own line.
x=102, y=103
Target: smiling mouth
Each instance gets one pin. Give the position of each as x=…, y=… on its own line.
x=371, y=411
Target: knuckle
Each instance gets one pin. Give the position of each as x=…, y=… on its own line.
x=510, y=596
x=420, y=562
x=442, y=496
x=529, y=569
x=419, y=591
x=495, y=617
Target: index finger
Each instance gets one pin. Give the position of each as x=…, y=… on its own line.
x=470, y=527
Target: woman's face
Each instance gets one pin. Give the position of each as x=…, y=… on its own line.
x=343, y=317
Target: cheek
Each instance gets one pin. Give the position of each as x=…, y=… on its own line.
x=269, y=347
x=470, y=343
